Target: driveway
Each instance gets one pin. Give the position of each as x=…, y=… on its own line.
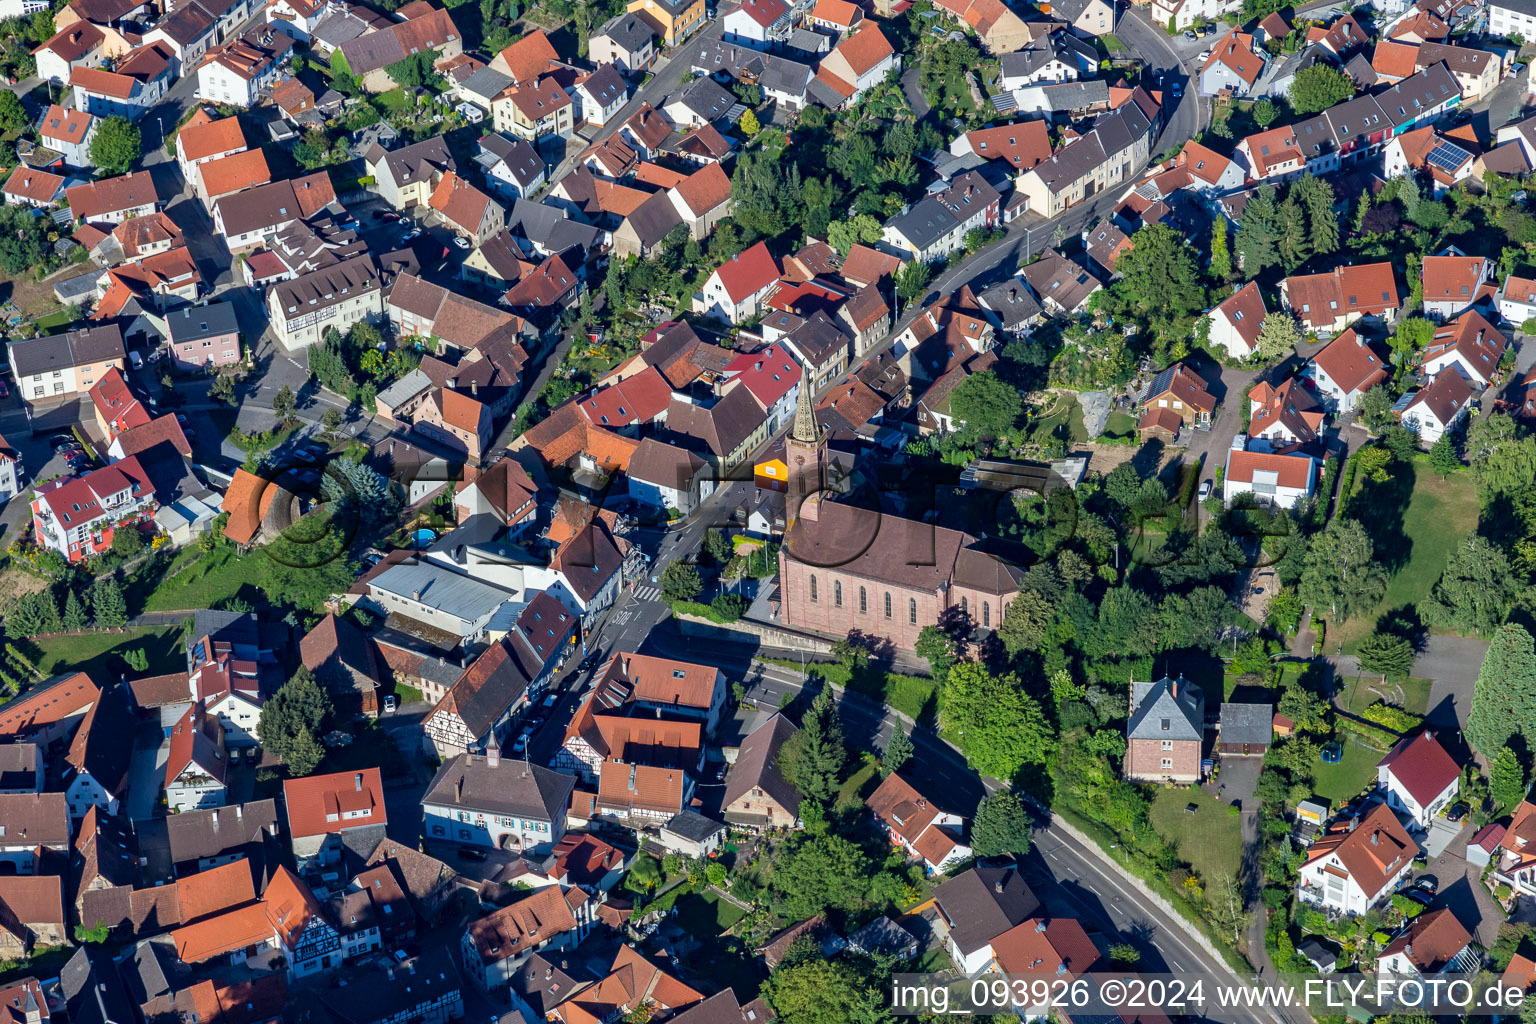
x=1461, y=889
x=1452, y=662
x=146, y=772
x=1214, y=443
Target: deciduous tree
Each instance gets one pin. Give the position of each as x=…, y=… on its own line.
x=1316, y=88
x=986, y=405
x=1221, y=254
x=1000, y=727
x=1502, y=455
x=1279, y=334
x=680, y=582
x=1476, y=591
x=1341, y=572
x=821, y=873
x=116, y=145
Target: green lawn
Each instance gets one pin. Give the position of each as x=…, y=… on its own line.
x=860, y=784
x=206, y=579
x=706, y=915
x=59, y=318
x=101, y=654
x=1359, y=695
x=1210, y=839
x=1340, y=783
x=916, y=696
x=1439, y=514
x=1120, y=424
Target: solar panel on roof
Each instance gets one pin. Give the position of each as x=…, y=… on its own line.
x=1448, y=157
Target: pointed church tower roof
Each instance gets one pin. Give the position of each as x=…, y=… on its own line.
x=805, y=415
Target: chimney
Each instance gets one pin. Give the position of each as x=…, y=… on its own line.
x=357, y=782
x=1173, y=688
x=474, y=387
x=458, y=790
x=215, y=820
x=492, y=752
x=239, y=813
x=416, y=595
x=997, y=886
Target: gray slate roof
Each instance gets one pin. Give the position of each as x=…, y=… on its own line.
x=512, y=788
x=1247, y=723
x=194, y=323
x=1157, y=713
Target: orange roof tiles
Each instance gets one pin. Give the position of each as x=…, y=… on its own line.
x=200, y=139
x=705, y=189
x=460, y=203
x=319, y=804
x=529, y=57
x=30, y=183
x=1395, y=60
x=233, y=173
x=1021, y=145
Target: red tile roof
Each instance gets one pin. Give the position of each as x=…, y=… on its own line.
x=1422, y=767
x=748, y=273
x=1291, y=471
x=1349, y=362
x=320, y=804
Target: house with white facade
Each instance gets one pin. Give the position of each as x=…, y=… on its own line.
x=549, y=919
x=761, y=24
x=736, y=288
x=195, y=770
x=1470, y=345
x=978, y=907
x=1437, y=408
x=1434, y=943
x=68, y=133
x=1357, y=862
x=1273, y=479
x=1236, y=320
x=1344, y=370
x=1419, y=778
x=483, y=800
x=1517, y=300
x=917, y=826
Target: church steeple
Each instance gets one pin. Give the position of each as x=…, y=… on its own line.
x=805, y=416
x=805, y=456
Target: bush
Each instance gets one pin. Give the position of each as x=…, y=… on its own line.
x=728, y=607
x=1394, y=718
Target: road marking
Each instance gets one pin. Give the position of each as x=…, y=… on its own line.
x=647, y=593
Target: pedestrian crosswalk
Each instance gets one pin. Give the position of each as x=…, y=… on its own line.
x=647, y=593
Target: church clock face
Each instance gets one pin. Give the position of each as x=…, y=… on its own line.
x=799, y=460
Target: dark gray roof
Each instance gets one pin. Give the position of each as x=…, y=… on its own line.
x=329, y=286
x=693, y=826
x=1059, y=45
x=629, y=32
x=1158, y=713
x=93, y=991
x=705, y=97
x=215, y=831
x=784, y=76
x=543, y=984
x=193, y=323
x=486, y=83
x=1247, y=723
x=342, y=27
x=654, y=218
x=512, y=787
x=1012, y=301
x=605, y=84
x=416, y=162
x=70, y=349
x=818, y=339
x=882, y=935
x=523, y=162
x=1358, y=118
x=408, y=991
x=1359, y=68
x=1404, y=101
x=1060, y=279
x=185, y=25
x=549, y=228
x=757, y=763
x=1066, y=96
x=983, y=903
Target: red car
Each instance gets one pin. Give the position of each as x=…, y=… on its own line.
x=4, y=391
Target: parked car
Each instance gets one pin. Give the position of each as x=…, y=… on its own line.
x=4, y=391
x=1429, y=883
x=136, y=360
x=390, y=704
x=1205, y=489
x=1420, y=897
x=59, y=441
x=1190, y=35
x=1457, y=812
x=462, y=243
x=471, y=853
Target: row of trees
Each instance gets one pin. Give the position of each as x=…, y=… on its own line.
x=99, y=606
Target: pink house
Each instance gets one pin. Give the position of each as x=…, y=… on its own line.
x=204, y=335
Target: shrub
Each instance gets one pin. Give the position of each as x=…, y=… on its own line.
x=1393, y=718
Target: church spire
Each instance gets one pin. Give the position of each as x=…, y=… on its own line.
x=805, y=417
